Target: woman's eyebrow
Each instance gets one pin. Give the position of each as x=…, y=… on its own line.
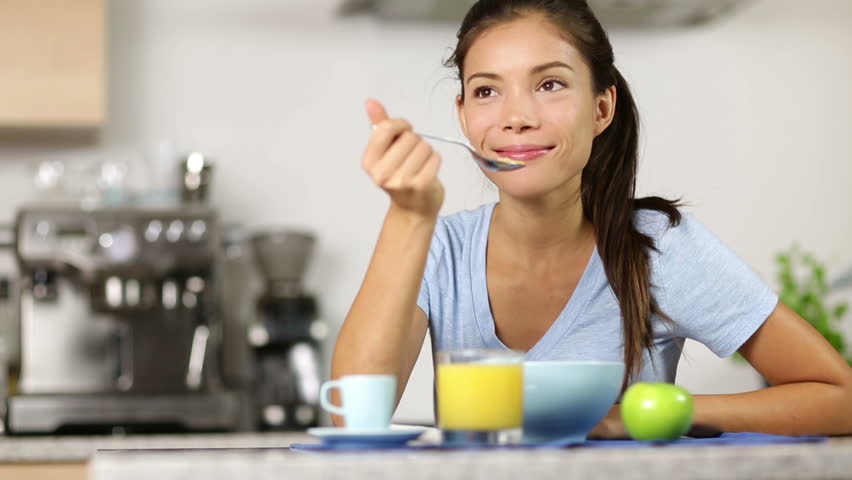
x=549, y=65
x=491, y=76
x=536, y=69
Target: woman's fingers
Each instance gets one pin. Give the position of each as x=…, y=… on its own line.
x=376, y=111
x=385, y=131
x=384, y=136
x=402, y=163
x=408, y=168
x=428, y=172
x=394, y=157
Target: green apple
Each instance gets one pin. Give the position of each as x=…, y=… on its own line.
x=656, y=411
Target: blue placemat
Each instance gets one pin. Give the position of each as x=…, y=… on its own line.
x=740, y=438
x=726, y=439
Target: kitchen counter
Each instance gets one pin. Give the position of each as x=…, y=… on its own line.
x=54, y=449
x=831, y=459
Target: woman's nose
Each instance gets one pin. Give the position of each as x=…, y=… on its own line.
x=519, y=113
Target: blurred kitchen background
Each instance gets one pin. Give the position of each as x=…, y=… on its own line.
x=186, y=222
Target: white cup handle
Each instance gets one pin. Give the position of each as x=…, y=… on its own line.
x=325, y=401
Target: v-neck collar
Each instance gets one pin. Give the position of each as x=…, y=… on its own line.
x=482, y=311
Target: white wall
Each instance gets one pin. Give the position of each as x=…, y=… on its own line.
x=748, y=119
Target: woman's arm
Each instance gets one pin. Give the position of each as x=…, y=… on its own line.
x=811, y=392
x=384, y=330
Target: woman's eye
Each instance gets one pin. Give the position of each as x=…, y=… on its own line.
x=483, y=92
x=552, y=85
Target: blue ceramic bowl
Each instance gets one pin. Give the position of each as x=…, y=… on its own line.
x=565, y=400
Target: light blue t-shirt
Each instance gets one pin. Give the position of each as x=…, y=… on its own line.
x=710, y=293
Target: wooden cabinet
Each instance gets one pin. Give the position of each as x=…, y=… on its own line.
x=52, y=57
x=44, y=471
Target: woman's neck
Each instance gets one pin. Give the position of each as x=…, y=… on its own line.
x=541, y=232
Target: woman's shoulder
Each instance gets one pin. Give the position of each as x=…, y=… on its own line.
x=457, y=235
x=462, y=223
x=679, y=237
x=656, y=223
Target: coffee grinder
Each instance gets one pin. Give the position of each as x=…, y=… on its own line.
x=286, y=335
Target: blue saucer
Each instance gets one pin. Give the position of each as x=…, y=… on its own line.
x=396, y=436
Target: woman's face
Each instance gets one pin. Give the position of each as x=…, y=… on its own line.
x=529, y=96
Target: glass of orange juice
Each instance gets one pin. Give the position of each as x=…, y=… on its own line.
x=480, y=396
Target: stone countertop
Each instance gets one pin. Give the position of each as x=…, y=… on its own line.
x=831, y=459
x=39, y=449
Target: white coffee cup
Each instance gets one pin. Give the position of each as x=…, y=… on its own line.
x=367, y=400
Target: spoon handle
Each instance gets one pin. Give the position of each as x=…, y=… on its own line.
x=496, y=165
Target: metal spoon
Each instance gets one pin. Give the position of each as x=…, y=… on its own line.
x=500, y=165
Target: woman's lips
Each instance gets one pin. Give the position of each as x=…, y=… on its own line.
x=524, y=153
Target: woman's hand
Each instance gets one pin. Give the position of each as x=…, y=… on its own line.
x=611, y=427
x=402, y=164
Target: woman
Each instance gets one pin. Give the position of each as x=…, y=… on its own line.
x=568, y=264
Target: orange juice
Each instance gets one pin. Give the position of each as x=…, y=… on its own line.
x=480, y=396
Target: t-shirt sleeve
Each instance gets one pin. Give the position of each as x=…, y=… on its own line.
x=423, y=296
x=435, y=249
x=712, y=295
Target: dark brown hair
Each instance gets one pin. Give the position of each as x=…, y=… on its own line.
x=609, y=179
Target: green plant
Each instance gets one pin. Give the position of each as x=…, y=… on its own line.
x=804, y=288
x=807, y=294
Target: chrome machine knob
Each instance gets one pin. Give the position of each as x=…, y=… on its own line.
x=119, y=245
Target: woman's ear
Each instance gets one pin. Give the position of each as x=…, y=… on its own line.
x=460, y=113
x=604, y=109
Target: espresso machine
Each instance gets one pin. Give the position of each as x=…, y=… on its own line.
x=287, y=334
x=118, y=322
